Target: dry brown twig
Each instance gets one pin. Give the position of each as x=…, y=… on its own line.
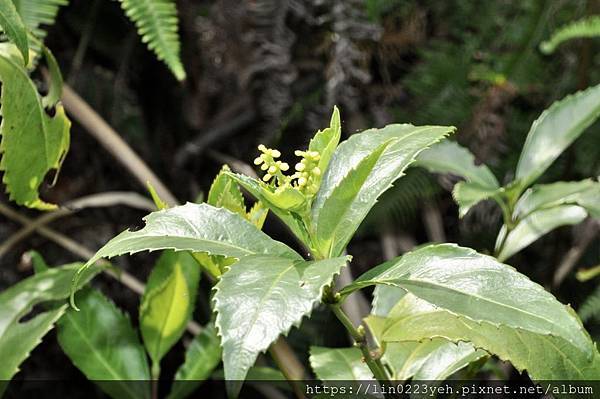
x=133, y=200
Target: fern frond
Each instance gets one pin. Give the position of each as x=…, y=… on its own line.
x=586, y=27
x=590, y=309
x=157, y=24
x=39, y=13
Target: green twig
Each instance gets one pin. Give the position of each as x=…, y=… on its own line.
x=359, y=337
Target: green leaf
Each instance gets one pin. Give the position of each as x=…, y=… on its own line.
x=261, y=297
x=37, y=261
x=101, y=342
x=168, y=302
x=341, y=201
x=201, y=358
x=156, y=22
x=13, y=26
x=450, y=157
x=479, y=287
x=225, y=193
x=536, y=225
x=585, y=27
x=197, y=228
x=325, y=141
x=212, y=264
x=18, y=338
x=361, y=169
x=429, y=360
x=555, y=129
x=468, y=195
x=257, y=215
x=33, y=142
x=341, y=364
x=543, y=356
x=584, y=193
x=36, y=13
x=56, y=81
x=159, y=202
x=384, y=299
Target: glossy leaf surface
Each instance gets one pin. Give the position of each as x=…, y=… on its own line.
x=544, y=356
x=585, y=193
x=343, y=364
x=260, y=192
x=535, y=226
x=325, y=141
x=357, y=175
x=197, y=228
x=554, y=130
x=450, y=157
x=479, y=287
x=429, y=360
x=261, y=297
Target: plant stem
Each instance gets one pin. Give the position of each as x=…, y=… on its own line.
x=374, y=364
x=155, y=376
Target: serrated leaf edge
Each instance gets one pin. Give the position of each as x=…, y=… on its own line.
x=296, y=323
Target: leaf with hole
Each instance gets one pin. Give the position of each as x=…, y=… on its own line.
x=18, y=338
x=33, y=142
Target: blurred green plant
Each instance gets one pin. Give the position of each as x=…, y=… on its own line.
x=584, y=28
x=33, y=142
x=528, y=213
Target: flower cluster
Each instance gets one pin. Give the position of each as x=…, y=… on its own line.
x=274, y=168
x=307, y=171
x=306, y=177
